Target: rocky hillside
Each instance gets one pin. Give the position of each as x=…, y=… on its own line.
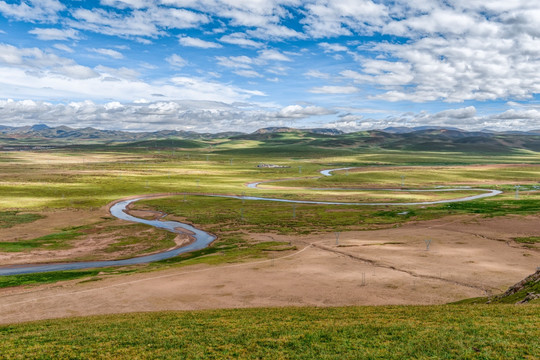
x=525, y=291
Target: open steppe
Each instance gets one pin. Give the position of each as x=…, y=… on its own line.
x=267, y=254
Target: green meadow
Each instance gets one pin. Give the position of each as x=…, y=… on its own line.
x=398, y=332
x=92, y=176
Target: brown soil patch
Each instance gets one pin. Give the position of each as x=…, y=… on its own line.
x=468, y=257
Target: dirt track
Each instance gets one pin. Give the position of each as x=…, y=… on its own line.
x=468, y=256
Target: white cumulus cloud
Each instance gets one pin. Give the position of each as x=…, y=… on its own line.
x=33, y=10
x=176, y=60
x=199, y=43
x=108, y=52
x=55, y=34
x=329, y=89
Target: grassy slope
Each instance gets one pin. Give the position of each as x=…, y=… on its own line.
x=427, y=332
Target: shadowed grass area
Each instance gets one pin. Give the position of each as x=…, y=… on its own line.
x=497, y=207
x=405, y=332
x=12, y=218
x=222, y=214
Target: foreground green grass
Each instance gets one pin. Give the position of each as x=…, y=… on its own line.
x=427, y=332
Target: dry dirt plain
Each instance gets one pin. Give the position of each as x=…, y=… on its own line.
x=468, y=256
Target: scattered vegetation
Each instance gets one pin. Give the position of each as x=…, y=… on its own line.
x=44, y=278
x=528, y=240
x=56, y=276
x=136, y=240
x=54, y=241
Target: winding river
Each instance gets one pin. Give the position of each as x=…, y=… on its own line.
x=203, y=239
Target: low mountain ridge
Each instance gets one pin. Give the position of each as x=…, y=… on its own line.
x=418, y=139
x=42, y=131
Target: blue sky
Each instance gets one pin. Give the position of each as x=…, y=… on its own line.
x=221, y=65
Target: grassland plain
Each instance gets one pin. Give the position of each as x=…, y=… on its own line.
x=405, y=332
x=35, y=184
x=83, y=178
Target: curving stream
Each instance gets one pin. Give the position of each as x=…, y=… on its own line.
x=204, y=239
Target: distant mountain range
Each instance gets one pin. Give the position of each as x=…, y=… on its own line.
x=322, y=131
x=42, y=131
x=425, y=138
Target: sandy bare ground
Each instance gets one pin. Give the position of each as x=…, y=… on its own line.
x=468, y=257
